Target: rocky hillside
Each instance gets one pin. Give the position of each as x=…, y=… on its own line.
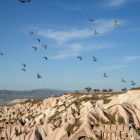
x=77, y=116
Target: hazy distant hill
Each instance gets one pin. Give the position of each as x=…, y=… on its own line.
x=37, y=93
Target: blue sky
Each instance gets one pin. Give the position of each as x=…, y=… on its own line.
x=64, y=26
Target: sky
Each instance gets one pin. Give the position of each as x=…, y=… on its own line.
x=64, y=26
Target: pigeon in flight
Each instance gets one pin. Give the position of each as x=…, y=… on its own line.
x=45, y=46
x=79, y=57
x=34, y=47
x=105, y=75
x=31, y=33
x=91, y=19
x=23, y=1
x=38, y=40
x=23, y=69
x=94, y=59
x=116, y=25
x=133, y=83
x=95, y=32
x=1, y=53
x=45, y=57
x=38, y=75
x=123, y=80
x=23, y=65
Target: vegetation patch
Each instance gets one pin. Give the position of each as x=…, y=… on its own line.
x=55, y=116
x=35, y=101
x=111, y=118
x=31, y=117
x=71, y=126
x=137, y=88
x=121, y=120
x=106, y=100
x=138, y=132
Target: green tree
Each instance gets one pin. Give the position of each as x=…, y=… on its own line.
x=88, y=89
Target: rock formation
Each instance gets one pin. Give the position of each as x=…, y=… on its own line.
x=76, y=116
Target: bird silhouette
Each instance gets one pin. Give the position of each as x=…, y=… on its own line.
x=91, y=19
x=45, y=57
x=45, y=46
x=95, y=32
x=105, y=75
x=23, y=65
x=34, y=47
x=38, y=75
x=116, y=25
x=31, y=33
x=94, y=59
x=79, y=57
x=23, y=1
x=133, y=83
x=1, y=53
x=38, y=40
x=23, y=69
x=123, y=80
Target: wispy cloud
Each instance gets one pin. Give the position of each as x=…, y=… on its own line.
x=131, y=58
x=110, y=68
x=73, y=50
x=70, y=51
x=115, y=3
x=74, y=8
x=62, y=36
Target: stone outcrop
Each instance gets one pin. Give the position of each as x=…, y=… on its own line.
x=75, y=116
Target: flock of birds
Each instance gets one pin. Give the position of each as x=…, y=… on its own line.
x=116, y=25
x=35, y=49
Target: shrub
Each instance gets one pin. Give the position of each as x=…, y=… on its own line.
x=121, y=120
x=71, y=126
x=111, y=118
x=88, y=89
x=138, y=132
x=106, y=101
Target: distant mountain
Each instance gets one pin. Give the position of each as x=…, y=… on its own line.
x=8, y=95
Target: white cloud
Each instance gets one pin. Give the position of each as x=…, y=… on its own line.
x=70, y=51
x=131, y=58
x=73, y=50
x=62, y=36
x=73, y=41
x=110, y=68
x=115, y=3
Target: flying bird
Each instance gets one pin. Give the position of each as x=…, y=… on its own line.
x=105, y=75
x=31, y=33
x=116, y=25
x=123, y=80
x=45, y=46
x=23, y=65
x=95, y=32
x=1, y=53
x=38, y=75
x=133, y=83
x=45, y=57
x=79, y=57
x=94, y=59
x=23, y=1
x=34, y=47
x=23, y=69
x=91, y=19
x=38, y=40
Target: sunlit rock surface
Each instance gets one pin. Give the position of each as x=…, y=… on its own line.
x=76, y=116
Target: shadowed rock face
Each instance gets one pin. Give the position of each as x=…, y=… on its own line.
x=73, y=117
